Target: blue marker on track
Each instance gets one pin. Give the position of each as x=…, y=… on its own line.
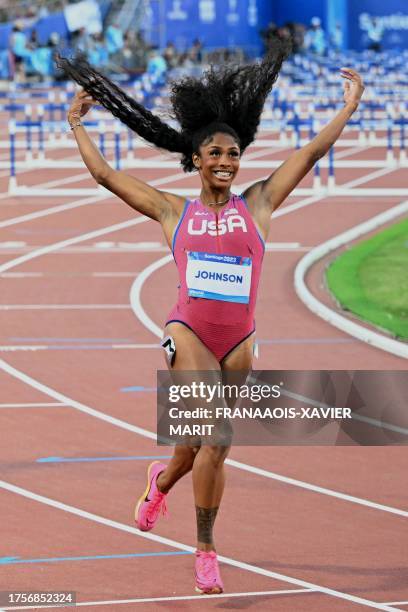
x=138, y=388
x=18, y=560
x=96, y=459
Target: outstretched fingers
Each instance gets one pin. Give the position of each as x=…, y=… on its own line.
x=352, y=75
x=354, y=87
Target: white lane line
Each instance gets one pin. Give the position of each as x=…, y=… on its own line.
x=52, y=210
x=153, y=436
x=330, y=315
x=354, y=183
x=136, y=291
x=180, y=546
x=22, y=348
x=397, y=603
x=257, y=164
x=69, y=275
x=136, y=346
x=116, y=602
x=105, y=194
x=262, y=152
x=143, y=245
x=34, y=405
x=316, y=489
x=282, y=245
x=64, y=307
x=95, y=250
x=368, y=177
x=91, y=250
x=163, y=180
x=22, y=275
x=351, y=151
x=74, y=404
x=68, y=346
x=56, y=246
x=65, y=181
x=114, y=274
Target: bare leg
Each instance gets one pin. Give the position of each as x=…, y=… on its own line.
x=206, y=462
x=208, y=468
x=180, y=464
x=208, y=484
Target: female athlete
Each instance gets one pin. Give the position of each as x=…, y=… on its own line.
x=217, y=241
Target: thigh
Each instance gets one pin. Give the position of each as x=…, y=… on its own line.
x=237, y=366
x=191, y=356
x=191, y=353
x=241, y=357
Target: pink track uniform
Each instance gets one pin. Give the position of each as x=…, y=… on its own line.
x=218, y=256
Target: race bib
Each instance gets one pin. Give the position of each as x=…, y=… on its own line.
x=219, y=277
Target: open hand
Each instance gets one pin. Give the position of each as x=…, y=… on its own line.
x=80, y=105
x=353, y=86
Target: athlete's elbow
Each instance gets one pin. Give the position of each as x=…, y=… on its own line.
x=102, y=175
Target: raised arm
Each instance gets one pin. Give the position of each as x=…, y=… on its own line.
x=265, y=196
x=142, y=197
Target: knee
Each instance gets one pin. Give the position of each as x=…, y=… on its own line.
x=185, y=457
x=216, y=454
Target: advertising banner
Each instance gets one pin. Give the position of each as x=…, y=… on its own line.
x=83, y=14
x=391, y=16
x=217, y=23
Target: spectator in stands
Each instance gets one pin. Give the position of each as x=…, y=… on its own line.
x=135, y=51
x=375, y=33
x=31, y=16
x=98, y=54
x=41, y=65
x=156, y=66
x=81, y=41
x=315, y=38
x=196, y=52
x=33, y=45
x=43, y=10
x=114, y=39
x=336, y=38
x=185, y=61
x=19, y=50
x=170, y=55
x=4, y=64
x=53, y=45
x=33, y=42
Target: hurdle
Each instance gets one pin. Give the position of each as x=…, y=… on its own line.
x=21, y=190
x=279, y=120
x=124, y=158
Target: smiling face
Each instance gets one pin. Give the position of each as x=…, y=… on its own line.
x=218, y=160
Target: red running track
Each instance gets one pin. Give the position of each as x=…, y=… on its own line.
x=70, y=343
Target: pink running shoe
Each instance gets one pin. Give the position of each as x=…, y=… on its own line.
x=149, y=505
x=207, y=573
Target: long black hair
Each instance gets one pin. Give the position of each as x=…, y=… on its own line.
x=228, y=99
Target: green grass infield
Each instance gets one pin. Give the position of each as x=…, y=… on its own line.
x=371, y=280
